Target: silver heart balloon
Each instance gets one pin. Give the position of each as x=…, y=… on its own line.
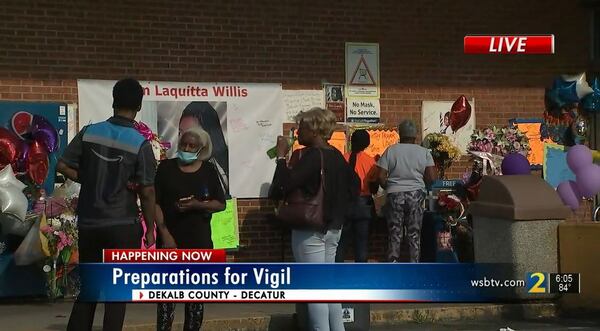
x=580, y=129
x=10, y=224
x=13, y=201
x=7, y=178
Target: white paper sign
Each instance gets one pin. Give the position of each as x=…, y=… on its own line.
x=362, y=70
x=366, y=110
x=300, y=100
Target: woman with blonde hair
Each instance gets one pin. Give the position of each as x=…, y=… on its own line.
x=309, y=245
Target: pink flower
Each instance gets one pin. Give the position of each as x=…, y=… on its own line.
x=516, y=145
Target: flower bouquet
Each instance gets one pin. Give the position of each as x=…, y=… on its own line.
x=59, y=243
x=490, y=145
x=442, y=150
x=158, y=147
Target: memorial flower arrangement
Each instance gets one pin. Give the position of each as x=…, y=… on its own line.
x=58, y=236
x=499, y=141
x=442, y=150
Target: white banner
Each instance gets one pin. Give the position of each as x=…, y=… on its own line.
x=242, y=119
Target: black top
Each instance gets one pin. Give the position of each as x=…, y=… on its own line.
x=108, y=155
x=190, y=229
x=305, y=175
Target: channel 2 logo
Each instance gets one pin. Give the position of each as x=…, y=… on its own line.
x=537, y=282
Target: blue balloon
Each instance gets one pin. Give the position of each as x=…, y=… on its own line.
x=596, y=85
x=568, y=92
x=591, y=102
x=554, y=98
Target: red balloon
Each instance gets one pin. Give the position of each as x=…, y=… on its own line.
x=460, y=113
x=37, y=163
x=9, y=151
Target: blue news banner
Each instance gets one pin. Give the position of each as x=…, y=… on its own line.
x=300, y=282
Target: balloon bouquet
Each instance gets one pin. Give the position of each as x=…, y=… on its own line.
x=587, y=177
x=569, y=102
x=25, y=150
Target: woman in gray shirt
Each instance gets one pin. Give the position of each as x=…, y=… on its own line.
x=404, y=170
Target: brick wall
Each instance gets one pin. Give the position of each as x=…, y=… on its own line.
x=45, y=46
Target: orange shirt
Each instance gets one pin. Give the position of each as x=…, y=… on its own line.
x=366, y=170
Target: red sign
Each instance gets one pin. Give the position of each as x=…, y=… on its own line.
x=509, y=44
x=163, y=255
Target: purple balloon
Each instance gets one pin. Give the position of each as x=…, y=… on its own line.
x=588, y=180
x=578, y=157
x=569, y=194
x=44, y=133
x=515, y=164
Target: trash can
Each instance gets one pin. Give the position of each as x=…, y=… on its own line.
x=356, y=316
x=515, y=220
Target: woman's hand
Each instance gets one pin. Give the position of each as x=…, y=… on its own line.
x=184, y=205
x=283, y=146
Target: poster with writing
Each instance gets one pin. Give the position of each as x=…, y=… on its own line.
x=224, y=227
x=338, y=140
x=296, y=101
x=380, y=140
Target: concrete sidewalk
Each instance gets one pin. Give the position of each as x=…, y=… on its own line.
x=271, y=317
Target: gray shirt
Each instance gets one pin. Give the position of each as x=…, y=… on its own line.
x=406, y=165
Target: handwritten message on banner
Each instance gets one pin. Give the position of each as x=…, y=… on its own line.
x=224, y=227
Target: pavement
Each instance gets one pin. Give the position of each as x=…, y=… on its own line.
x=273, y=317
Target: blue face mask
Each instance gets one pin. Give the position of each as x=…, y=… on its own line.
x=187, y=157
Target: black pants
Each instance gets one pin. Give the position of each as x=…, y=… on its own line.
x=92, y=240
x=356, y=230
x=194, y=314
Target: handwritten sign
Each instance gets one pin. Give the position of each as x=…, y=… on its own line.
x=224, y=227
x=300, y=100
x=380, y=140
x=338, y=140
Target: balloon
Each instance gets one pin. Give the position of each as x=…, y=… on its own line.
x=43, y=132
x=591, y=102
x=9, y=143
x=588, y=180
x=515, y=164
x=11, y=224
x=13, y=201
x=569, y=194
x=8, y=179
x=578, y=157
x=567, y=93
x=581, y=85
x=460, y=113
x=37, y=163
x=554, y=99
x=21, y=164
x=580, y=129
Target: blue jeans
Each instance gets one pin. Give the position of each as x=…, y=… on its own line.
x=356, y=229
x=316, y=247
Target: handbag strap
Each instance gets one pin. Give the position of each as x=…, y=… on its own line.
x=322, y=171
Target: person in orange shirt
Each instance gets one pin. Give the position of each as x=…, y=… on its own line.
x=362, y=211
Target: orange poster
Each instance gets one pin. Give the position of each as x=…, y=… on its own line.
x=338, y=140
x=380, y=140
x=532, y=131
